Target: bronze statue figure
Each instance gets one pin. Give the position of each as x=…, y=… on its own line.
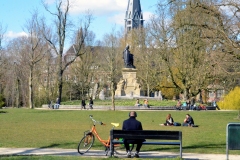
x=128, y=58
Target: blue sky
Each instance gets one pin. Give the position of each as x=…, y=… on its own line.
x=107, y=14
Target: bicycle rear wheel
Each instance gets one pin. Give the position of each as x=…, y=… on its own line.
x=86, y=143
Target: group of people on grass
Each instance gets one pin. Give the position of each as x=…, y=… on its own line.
x=188, y=121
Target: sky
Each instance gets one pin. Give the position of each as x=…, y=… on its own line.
x=107, y=14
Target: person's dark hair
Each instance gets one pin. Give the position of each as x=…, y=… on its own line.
x=132, y=114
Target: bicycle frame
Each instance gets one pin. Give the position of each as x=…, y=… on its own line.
x=93, y=131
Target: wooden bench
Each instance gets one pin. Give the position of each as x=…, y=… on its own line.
x=169, y=137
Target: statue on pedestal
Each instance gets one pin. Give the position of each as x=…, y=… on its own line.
x=128, y=58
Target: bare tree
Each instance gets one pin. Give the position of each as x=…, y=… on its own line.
x=56, y=36
x=112, y=56
x=80, y=75
x=2, y=62
x=16, y=83
x=147, y=62
x=34, y=51
x=2, y=32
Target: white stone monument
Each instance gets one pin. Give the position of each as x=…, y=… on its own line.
x=128, y=85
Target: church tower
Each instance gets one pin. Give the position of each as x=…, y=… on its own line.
x=134, y=16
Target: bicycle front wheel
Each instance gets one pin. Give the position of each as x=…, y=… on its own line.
x=86, y=143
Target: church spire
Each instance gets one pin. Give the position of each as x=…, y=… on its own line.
x=134, y=16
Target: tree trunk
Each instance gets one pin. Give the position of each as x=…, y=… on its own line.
x=60, y=79
x=148, y=90
x=113, y=96
x=31, y=105
x=18, y=94
x=60, y=84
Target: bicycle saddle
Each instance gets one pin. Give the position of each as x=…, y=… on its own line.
x=115, y=124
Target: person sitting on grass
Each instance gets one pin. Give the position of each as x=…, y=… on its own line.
x=179, y=105
x=188, y=121
x=169, y=121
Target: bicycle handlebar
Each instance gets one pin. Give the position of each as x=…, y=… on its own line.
x=94, y=121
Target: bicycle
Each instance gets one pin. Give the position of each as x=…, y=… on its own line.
x=88, y=139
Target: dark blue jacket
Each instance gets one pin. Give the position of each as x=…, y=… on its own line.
x=132, y=124
x=190, y=120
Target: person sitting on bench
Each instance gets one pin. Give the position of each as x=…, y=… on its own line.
x=132, y=124
x=179, y=105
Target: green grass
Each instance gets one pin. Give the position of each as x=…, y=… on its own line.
x=65, y=158
x=123, y=102
x=64, y=129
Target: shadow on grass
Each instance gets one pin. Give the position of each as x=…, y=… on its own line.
x=3, y=112
x=199, y=146
x=62, y=145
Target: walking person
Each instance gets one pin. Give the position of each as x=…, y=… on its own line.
x=90, y=103
x=83, y=104
x=50, y=105
x=192, y=103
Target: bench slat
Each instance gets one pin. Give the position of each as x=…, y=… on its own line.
x=146, y=134
x=150, y=143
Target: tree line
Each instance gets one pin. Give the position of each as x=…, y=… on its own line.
x=186, y=46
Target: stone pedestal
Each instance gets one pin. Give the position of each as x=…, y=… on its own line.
x=128, y=85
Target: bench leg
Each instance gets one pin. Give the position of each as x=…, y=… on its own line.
x=181, y=150
x=111, y=149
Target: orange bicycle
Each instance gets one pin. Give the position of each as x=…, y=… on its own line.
x=89, y=137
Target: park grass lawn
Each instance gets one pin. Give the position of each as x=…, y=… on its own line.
x=66, y=158
x=64, y=128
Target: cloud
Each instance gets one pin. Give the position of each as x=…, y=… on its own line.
x=98, y=7
x=117, y=19
x=147, y=15
x=11, y=34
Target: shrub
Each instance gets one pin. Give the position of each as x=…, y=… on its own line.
x=231, y=100
x=2, y=101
